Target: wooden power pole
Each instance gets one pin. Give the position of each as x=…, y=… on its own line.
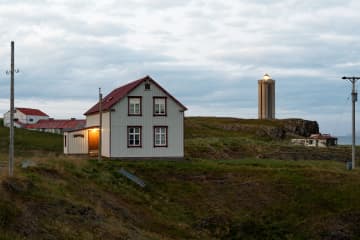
x=11, y=144
x=353, y=81
x=100, y=125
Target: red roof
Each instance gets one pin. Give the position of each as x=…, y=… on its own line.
x=58, y=124
x=117, y=94
x=31, y=111
x=322, y=136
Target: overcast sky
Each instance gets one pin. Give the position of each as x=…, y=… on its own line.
x=208, y=53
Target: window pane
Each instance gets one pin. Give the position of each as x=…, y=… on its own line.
x=157, y=139
x=134, y=136
x=159, y=106
x=134, y=105
x=160, y=136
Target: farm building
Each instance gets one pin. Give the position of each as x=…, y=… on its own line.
x=316, y=140
x=56, y=125
x=139, y=120
x=35, y=119
x=24, y=116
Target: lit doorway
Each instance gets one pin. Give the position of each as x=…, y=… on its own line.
x=93, y=135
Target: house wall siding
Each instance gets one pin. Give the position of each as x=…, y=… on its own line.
x=105, y=134
x=93, y=120
x=76, y=142
x=7, y=119
x=120, y=121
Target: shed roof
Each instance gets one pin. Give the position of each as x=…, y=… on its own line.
x=32, y=111
x=321, y=136
x=119, y=93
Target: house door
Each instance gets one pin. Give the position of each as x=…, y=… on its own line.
x=93, y=141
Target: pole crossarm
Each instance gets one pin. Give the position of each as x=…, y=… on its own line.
x=356, y=78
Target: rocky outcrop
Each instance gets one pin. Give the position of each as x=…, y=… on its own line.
x=300, y=127
x=288, y=128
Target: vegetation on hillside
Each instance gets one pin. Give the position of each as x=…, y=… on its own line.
x=228, y=187
x=231, y=138
x=73, y=198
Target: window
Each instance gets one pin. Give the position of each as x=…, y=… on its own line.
x=134, y=136
x=147, y=86
x=160, y=136
x=159, y=106
x=134, y=106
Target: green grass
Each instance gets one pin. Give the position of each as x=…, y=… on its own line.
x=230, y=186
x=231, y=138
x=198, y=199
x=29, y=142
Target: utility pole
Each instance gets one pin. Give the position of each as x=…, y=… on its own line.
x=100, y=125
x=11, y=144
x=353, y=81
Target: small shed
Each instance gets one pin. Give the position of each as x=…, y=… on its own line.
x=316, y=140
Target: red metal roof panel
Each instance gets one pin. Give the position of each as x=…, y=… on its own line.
x=58, y=124
x=32, y=111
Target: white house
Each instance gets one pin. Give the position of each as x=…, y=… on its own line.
x=24, y=116
x=316, y=140
x=139, y=120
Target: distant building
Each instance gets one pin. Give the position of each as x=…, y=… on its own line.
x=316, y=140
x=57, y=126
x=35, y=119
x=24, y=116
x=139, y=120
x=266, y=97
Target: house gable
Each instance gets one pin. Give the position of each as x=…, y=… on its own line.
x=172, y=121
x=120, y=93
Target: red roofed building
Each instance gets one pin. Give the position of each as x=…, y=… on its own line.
x=35, y=119
x=57, y=126
x=24, y=116
x=316, y=140
x=139, y=120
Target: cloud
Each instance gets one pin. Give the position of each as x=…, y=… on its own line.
x=209, y=54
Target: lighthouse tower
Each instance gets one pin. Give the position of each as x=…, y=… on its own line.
x=266, y=97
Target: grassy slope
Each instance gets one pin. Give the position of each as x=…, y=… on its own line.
x=230, y=138
x=75, y=198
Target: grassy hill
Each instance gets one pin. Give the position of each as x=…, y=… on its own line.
x=224, y=194
x=231, y=138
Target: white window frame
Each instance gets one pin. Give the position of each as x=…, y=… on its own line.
x=161, y=135
x=134, y=106
x=160, y=106
x=134, y=135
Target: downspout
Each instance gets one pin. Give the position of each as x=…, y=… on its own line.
x=110, y=134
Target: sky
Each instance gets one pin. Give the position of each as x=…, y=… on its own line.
x=209, y=54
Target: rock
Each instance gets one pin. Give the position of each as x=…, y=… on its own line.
x=300, y=127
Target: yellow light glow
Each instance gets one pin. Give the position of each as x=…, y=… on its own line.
x=93, y=130
x=266, y=77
